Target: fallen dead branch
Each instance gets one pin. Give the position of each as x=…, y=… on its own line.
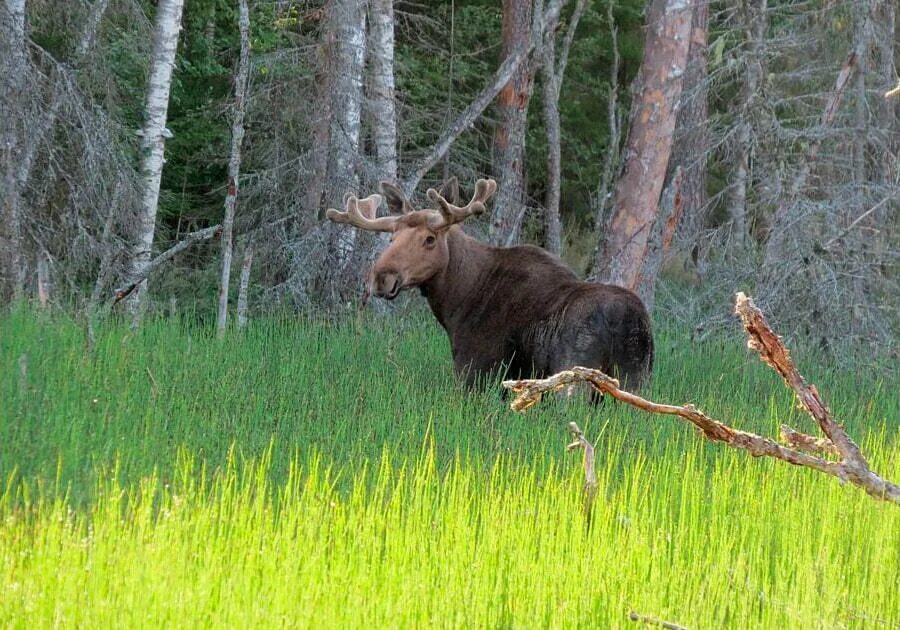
x=852, y=466
x=590, y=476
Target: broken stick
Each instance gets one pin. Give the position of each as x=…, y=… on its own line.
x=852, y=466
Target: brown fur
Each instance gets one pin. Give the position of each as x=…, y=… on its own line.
x=519, y=308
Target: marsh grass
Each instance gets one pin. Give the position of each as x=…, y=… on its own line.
x=309, y=473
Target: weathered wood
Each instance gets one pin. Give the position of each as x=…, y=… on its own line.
x=853, y=467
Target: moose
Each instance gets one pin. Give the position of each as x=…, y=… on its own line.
x=519, y=309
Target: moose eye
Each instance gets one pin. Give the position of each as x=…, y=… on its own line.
x=429, y=240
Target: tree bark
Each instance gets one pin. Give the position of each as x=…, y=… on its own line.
x=509, y=136
x=347, y=33
x=162, y=62
x=861, y=134
x=243, y=286
x=92, y=25
x=234, y=164
x=691, y=146
x=657, y=91
x=381, y=102
x=553, y=69
x=14, y=68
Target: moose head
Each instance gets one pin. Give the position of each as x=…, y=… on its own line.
x=418, y=249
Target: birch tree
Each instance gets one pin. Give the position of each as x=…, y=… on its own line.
x=234, y=164
x=657, y=91
x=381, y=100
x=153, y=135
x=553, y=67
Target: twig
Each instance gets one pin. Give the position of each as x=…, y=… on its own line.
x=853, y=467
x=193, y=237
x=894, y=92
x=653, y=621
x=590, y=475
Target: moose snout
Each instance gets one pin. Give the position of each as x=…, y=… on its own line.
x=386, y=284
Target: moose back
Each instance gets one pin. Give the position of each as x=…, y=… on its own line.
x=518, y=309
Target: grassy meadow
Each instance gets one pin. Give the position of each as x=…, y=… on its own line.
x=334, y=474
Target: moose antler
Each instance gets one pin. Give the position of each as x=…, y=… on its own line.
x=484, y=190
x=360, y=213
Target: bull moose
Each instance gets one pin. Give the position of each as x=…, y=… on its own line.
x=515, y=308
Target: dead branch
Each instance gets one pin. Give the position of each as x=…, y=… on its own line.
x=193, y=237
x=853, y=467
x=894, y=92
x=590, y=475
x=653, y=621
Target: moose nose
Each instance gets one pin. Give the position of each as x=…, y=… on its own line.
x=387, y=285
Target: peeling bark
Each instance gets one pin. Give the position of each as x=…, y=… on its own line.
x=509, y=137
x=657, y=92
x=162, y=62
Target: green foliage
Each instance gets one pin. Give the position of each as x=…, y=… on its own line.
x=309, y=471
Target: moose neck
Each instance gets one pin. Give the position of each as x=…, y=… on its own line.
x=451, y=292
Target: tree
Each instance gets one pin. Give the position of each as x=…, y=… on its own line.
x=509, y=136
x=657, y=91
x=553, y=67
x=381, y=77
x=234, y=164
x=153, y=135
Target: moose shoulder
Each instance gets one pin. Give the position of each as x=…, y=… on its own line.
x=515, y=308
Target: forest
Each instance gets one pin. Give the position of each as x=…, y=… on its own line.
x=209, y=414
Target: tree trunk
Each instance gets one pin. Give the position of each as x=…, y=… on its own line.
x=860, y=136
x=243, y=286
x=657, y=91
x=89, y=34
x=14, y=69
x=381, y=101
x=889, y=108
x=162, y=61
x=691, y=127
x=348, y=29
x=509, y=137
x=553, y=70
x=234, y=164
x=756, y=21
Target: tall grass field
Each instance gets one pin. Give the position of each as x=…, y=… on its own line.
x=325, y=473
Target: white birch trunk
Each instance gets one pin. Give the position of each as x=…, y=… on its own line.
x=348, y=27
x=234, y=165
x=381, y=102
x=162, y=62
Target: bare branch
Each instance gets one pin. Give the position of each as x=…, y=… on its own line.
x=590, y=475
x=852, y=468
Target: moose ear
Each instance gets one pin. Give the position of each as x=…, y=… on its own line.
x=450, y=191
x=396, y=201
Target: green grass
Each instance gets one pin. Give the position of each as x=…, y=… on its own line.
x=310, y=473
